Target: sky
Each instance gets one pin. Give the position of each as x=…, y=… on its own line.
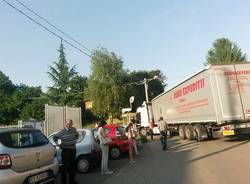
x=173, y=36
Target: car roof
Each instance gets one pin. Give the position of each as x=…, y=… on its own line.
x=13, y=129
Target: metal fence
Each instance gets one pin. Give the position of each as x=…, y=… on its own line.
x=56, y=116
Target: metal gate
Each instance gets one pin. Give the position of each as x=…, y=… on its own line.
x=56, y=116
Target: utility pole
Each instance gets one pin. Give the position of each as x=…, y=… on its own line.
x=148, y=104
x=146, y=89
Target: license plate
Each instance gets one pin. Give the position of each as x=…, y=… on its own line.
x=37, y=178
x=228, y=132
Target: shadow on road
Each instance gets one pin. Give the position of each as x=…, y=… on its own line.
x=155, y=165
x=217, y=152
x=239, y=138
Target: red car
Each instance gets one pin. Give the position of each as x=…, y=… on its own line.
x=119, y=142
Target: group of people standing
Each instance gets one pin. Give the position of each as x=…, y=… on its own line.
x=69, y=136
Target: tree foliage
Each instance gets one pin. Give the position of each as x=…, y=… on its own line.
x=224, y=52
x=8, y=110
x=77, y=86
x=30, y=102
x=61, y=75
x=105, y=87
x=136, y=86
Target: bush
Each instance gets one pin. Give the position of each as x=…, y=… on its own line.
x=144, y=138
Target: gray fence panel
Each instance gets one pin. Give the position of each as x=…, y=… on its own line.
x=56, y=116
x=74, y=114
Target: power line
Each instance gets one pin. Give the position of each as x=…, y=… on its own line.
x=42, y=18
x=43, y=97
x=135, y=83
x=47, y=29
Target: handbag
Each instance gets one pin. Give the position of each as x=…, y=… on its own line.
x=106, y=140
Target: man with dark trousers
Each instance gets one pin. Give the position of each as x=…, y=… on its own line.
x=163, y=127
x=68, y=138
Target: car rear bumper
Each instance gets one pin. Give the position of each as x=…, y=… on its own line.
x=9, y=176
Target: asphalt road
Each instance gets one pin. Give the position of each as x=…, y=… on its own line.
x=186, y=162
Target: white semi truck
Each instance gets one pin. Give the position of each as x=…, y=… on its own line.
x=143, y=119
x=216, y=99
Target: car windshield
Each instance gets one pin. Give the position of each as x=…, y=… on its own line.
x=81, y=136
x=23, y=139
x=108, y=130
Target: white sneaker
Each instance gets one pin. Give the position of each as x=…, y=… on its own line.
x=109, y=172
x=132, y=161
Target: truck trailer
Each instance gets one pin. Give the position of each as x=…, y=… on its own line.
x=214, y=100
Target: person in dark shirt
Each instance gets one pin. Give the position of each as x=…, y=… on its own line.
x=68, y=136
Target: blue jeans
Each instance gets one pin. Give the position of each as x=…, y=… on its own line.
x=163, y=139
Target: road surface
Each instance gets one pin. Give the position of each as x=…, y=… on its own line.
x=186, y=162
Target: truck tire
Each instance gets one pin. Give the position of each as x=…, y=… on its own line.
x=143, y=131
x=182, y=132
x=189, y=130
x=200, y=132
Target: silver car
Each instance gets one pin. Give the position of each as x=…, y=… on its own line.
x=26, y=156
x=88, y=152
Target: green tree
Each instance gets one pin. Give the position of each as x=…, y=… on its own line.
x=61, y=75
x=105, y=87
x=224, y=52
x=77, y=87
x=135, y=86
x=8, y=110
x=30, y=102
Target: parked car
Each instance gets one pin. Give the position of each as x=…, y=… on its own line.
x=119, y=142
x=88, y=152
x=26, y=156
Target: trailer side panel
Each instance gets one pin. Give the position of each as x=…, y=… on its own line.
x=190, y=101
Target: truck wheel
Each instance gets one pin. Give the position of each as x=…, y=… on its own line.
x=200, y=133
x=189, y=130
x=182, y=132
x=143, y=131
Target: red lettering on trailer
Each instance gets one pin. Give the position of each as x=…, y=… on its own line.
x=188, y=107
x=242, y=72
x=190, y=88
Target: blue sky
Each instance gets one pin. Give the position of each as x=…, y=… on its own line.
x=173, y=36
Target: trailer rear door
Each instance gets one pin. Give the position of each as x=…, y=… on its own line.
x=242, y=75
x=233, y=89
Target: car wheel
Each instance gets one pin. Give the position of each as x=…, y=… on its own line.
x=115, y=153
x=82, y=164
